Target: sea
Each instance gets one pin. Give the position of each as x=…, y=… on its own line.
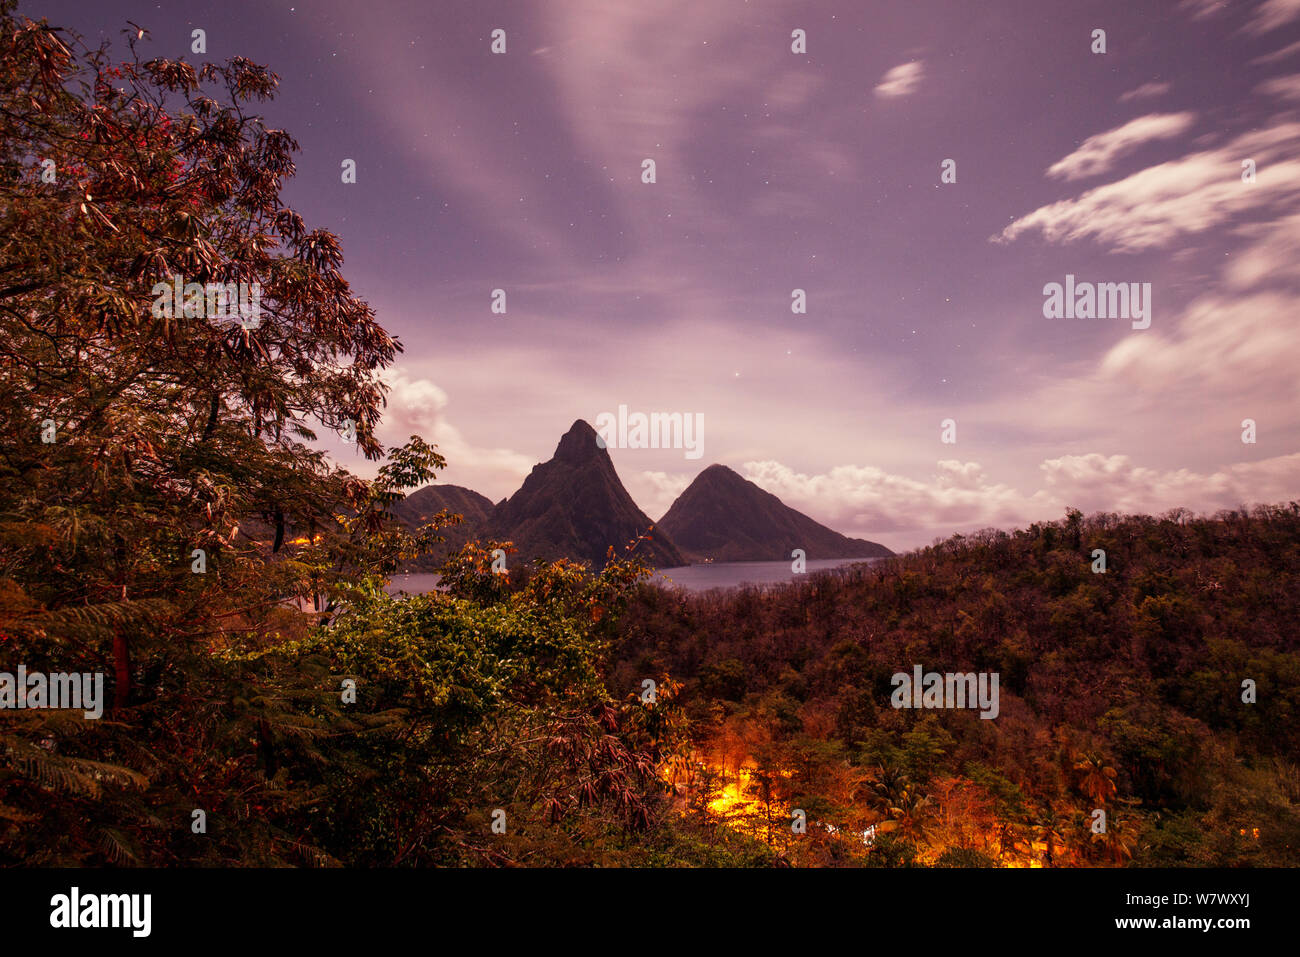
x=695, y=578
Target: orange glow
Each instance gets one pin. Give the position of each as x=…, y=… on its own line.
x=736, y=801
x=735, y=796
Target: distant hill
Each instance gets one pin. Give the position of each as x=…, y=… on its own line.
x=730, y=519
x=574, y=506
x=422, y=504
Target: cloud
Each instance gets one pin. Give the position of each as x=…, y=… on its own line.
x=1146, y=91
x=1282, y=54
x=655, y=492
x=1162, y=203
x=1272, y=14
x=1228, y=354
x=1284, y=87
x=866, y=501
x=1234, y=346
x=416, y=406
x=1273, y=258
x=1114, y=484
x=902, y=80
x=643, y=78
x=1098, y=153
x=1200, y=9
x=1225, y=346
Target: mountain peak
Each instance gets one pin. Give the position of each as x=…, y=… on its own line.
x=723, y=516
x=579, y=444
x=574, y=506
x=716, y=471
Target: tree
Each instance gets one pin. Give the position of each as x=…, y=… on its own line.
x=1046, y=825
x=1095, y=778
x=469, y=707
x=159, y=496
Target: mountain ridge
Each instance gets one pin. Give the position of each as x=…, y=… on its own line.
x=574, y=506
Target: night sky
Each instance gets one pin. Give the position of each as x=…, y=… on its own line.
x=820, y=171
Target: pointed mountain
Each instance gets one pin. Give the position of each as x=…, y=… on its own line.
x=724, y=517
x=574, y=506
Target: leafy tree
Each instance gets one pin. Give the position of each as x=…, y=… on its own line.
x=161, y=502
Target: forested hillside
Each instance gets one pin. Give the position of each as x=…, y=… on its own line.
x=1120, y=690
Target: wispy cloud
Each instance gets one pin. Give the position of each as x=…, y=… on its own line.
x=417, y=406
x=1195, y=193
x=1098, y=153
x=1272, y=14
x=1289, y=50
x=1146, y=91
x=1283, y=87
x=1227, y=347
x=1200, y=9
x=655, y=492
x=902, y=80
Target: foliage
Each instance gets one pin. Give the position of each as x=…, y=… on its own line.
x=168, y=518
x=1119, y=691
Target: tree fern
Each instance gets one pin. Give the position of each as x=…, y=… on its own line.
x=57, y=772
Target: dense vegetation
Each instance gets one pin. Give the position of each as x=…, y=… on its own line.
x=1120, y=690
x=167, y=520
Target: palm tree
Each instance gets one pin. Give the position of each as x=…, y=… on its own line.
x=1117, y=841
x=1096, y=779
x=1046, y=827
x=912, y=811
x=885, y=786
x=898, y=799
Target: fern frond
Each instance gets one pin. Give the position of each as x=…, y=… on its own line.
x=299, y=726
x=312, y=856
x=116, y=845
x=79, y=776
x=86, y=619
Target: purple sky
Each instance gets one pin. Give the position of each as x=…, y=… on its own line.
x=778, y=171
